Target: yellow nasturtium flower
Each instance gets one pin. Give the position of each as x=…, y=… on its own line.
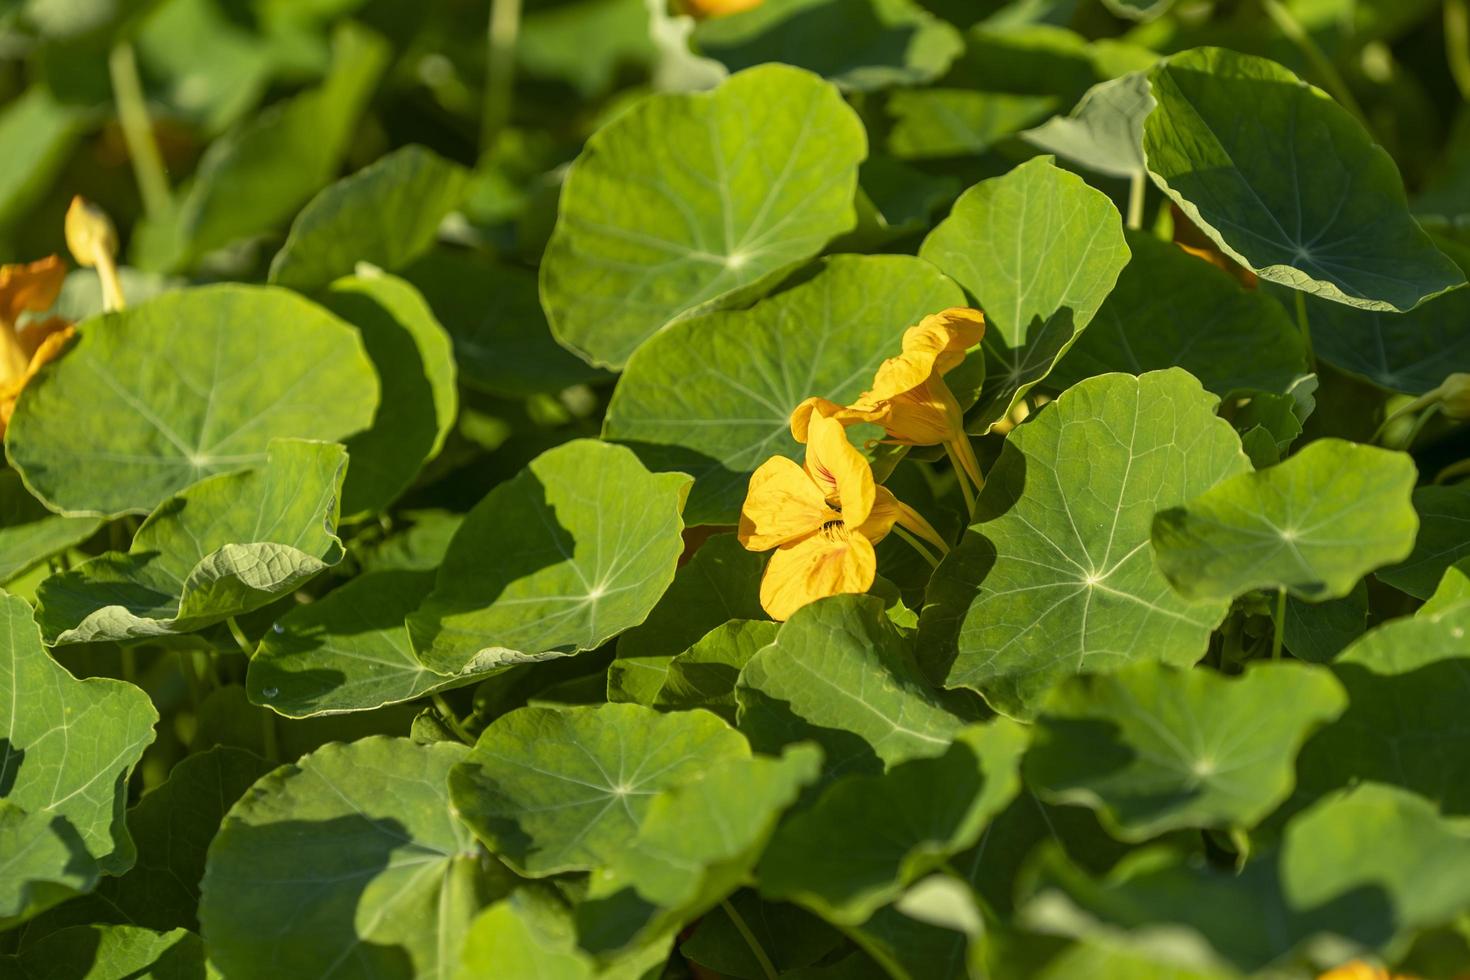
x=1358, y=970
x=27, y=288
x=705, y=9
x=822, y=519
x=909, y=397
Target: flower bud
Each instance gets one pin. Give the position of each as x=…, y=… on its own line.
x=1454, y=396
x=90, y=234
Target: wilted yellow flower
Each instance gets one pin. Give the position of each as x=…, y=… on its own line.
x=909, y=397
x=27, y=288
x=822, y=519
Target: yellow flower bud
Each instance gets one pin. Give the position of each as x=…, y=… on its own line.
x=92, y=239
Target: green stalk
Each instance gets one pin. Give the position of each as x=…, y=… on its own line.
x=450, y=719
x=1279, y=620
x=1457, y=43
x=137, y=129
x=240, y=638
x=1137, y=192
x=767, y=967
x=500, y=70
x=917, y=545
x=1332, y=81
x=1305, y=327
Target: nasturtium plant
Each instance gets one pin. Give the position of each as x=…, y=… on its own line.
x=734, y=490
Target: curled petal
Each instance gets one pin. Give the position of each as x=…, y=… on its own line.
x=841, y=472
x=50, y=340
x=830, y=562
x=946, y=335
x=801, y=416
x=31, y=287
x=781, y=504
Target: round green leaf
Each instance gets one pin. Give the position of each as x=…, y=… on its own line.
x=840, y=674
x=186, y=385
x=501, y=341
x=1405, y=722
x=349, y=863
x=552, y=789
x=1153, y=748
x=1040, y=251
x=1169, y=309
x=67, y=749
x=414, y=360
x=938, y=123
x=686, y=203
x=29, y=533
x=1313, y=525
x=862, y=45
x=225, y=546
x=713, y=395
x=122, y=952
x=503, y=942
x=386, y=214
x=348, y=651
x=1104, y=131
x=1294, y=189
x=1055, y=577
x=575, y=549
x=704, y=676
x=869, y=837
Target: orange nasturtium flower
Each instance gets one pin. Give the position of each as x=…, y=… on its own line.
x=822, y=519
x=1358, y=970
x=909, y=397
x=27, y=288
x=705, y=9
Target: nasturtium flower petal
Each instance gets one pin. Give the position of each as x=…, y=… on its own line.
x=839, y=470
x=30, y=287
x=782, y=505
x=831, y=561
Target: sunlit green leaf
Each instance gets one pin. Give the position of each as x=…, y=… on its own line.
x=704, y=676
x=1104, y=131
x=102, y=952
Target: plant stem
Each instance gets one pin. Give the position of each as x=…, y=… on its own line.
x=269, y=742
x=1452, y=471
x=1427, y=400
x=450, y=719
x=767, y=967
x=240, y=638
x=961, y=472
x=917, y=545
x=1137, y=191
x=1457, y=43
x=1278, y=634
x=137, y=129
x=1289, y=26
x=189, y=667
x=500, y=70
x=129, y=665
x=1305, y=327
x=1419, y=424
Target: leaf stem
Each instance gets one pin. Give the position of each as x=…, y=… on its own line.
x=189, y=667
x=767, y=967
x=137, y=129
x=1137, y=192
x=966, y=469
x=500, y=69
x=917, y=545
x=450, y=719
x=1305, y=326
x=1452, y=471
x=1298, y=35
x=240, y=638
x=1457, y=43
x=1278, y=635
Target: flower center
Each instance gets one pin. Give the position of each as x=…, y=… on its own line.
x=834, y=531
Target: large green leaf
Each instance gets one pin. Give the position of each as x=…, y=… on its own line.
x=870, y=836
x=492, y=312
x=1040, y=251
x=255, y=178
x=720, y=583
x=1313, y=525
x=172, y=827
x=48, y=129
x=387, y=214
x=687, y=203
x=348, y=651
x=225, y=546
x=1444, y=538
x=1153, y=748
x=1408, y=869
x=415, y=364
x=696, y=845
x=938, y=123
x=503, y=941
x=1405, y=722
x=1318, y=631
x=1056, y=577
x=713, y=395
x=29, y=533
x=840, y=674
x=563, y=789
x=862, y=45
x=575, y=549
x=1104, y=131
x=187, y=385
x=66, y=751
x=1169, y=309
x=1294, y=189
x=587, y=43
x=348, y=863
x=99, y=952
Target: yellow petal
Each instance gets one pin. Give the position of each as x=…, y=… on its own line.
x=839, y=470
x=898, y=375
x=1356, y=970
x=29, y=287
x=781, y=504
x=946, y=335
x=57, y=333
x=801, y=416
x=831, y=562
x=894, y=511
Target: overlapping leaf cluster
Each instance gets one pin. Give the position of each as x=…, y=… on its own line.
x=373, y=601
